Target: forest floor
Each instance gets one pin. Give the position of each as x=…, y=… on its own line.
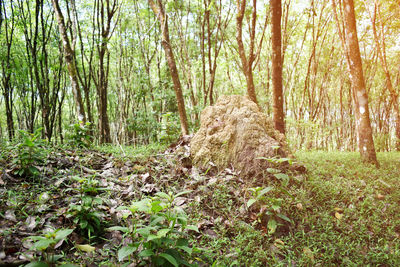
x=115, y=206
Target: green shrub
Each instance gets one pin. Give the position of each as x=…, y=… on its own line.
x=30, y=154
x=162, y=240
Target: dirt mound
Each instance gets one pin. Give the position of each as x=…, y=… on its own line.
x=234, y=132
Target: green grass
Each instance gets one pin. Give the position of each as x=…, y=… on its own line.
x=349, y=216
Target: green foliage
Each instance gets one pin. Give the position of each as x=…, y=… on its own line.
x=162, y=240
x=170, y=129
x=47, y=243
x=30, y=153
x=85, y=214
x=80, y=136
x=270, y=208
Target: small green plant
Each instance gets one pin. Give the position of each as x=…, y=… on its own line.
x=162, y=241
x=270, y=208
x=30, y=153
x=46, y=245
x=85, y=214
x=80, y=136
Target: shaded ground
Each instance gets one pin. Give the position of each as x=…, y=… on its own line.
x=341, y=213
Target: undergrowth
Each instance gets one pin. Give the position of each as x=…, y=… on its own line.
x=341, y=212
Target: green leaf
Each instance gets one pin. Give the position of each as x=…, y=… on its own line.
x=42, y=244
x=251, y=202
x=169, y=258
x=163, y=232
x=37, y=264
x=193, y=228
x=157, y=206
x=63, y=233
x=35, y=238
x=282, y=176
x=142, y=205
x=145, y=231
x=146, y=253
x=275, y=207
x=182, y=242
x=273, y=171
x=182, y=193
x=126, y=251
x=162, y=195
x=264, y=191
x=284, y=218
x=152, y=237
x=119, y=228
x=156, y=220
x=272, y=225
x=68, y=265
x=187, y=249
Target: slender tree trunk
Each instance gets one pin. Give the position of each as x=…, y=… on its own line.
x=276, y=14
x=6, y=67
x=247, y=63
x=381, y=51
x=363, y=124
x=69, y=58
x=158, y=10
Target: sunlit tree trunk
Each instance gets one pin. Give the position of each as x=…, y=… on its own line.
x=381, y=51
x=69, y=58
x=247, y=63
x=276, y=14
x=363, y=124
x=158, y=10
x=105, y=12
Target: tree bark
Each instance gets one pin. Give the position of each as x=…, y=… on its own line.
x=6, y=67
x=363, y=124
x=158, y=10
x=69, y=58
x=247, y=63
x=276, y=14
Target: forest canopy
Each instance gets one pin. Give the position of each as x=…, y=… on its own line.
x=103, y=63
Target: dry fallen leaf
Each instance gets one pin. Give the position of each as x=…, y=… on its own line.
x=86, y=248
x=338, y=215
x=338, y=209
x=10, y=215
x=308, y=253
x=380, y=196
x=279, y=243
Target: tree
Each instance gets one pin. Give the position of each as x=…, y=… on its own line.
x=276, y=14
x=381, y=51
x=6, y=70
x=363, y=124
x=105, y=11
x=158, y=10
x=247, y=62
x=69, y=55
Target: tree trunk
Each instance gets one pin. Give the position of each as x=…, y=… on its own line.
x=6, y=67
x=364, y=130
x=381, y=51
x=276, y=13
x=69, y=58
x=247, y=63
x=160, y=13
